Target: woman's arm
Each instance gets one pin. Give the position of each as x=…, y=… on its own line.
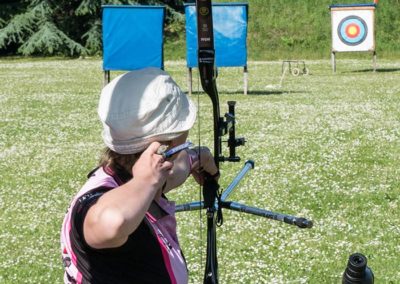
x=119, y=211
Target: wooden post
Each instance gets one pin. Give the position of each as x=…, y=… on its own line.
x=333, y=62
x=374, y=60
x=106, y=79
x=189, y=78
x=245, y=79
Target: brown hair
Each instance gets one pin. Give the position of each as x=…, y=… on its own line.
x=117, y=161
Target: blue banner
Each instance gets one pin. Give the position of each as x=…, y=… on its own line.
x=230, y=34
x=132, y=37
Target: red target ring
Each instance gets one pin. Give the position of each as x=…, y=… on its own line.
x=352, y=30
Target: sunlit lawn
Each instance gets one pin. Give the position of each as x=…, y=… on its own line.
x=326, y=146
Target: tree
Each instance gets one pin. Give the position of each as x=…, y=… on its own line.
x=66, y=27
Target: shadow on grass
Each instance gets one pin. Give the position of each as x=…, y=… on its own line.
x=272, y=92
x=254, y=92
x=378, y=70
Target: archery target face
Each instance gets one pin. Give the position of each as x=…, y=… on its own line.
x=353, y=30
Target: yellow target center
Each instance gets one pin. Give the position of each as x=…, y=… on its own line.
x=352, y=31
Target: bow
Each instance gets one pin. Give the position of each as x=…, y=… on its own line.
x=206, y=65
x=214, y=200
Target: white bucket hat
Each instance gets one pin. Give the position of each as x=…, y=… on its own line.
x=143, y=106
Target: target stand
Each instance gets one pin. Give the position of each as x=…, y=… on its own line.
x=353, y=29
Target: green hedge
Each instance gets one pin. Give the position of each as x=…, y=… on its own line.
x=302, y=29
x=281, y=28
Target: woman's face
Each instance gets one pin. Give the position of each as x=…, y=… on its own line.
x=179, y=140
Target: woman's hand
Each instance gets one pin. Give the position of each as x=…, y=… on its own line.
x=151, y=167
x=203, y=161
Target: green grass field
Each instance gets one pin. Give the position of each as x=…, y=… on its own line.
x=326, y=146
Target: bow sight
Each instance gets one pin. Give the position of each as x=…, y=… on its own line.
x=228, y=126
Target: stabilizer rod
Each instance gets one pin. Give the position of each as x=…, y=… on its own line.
x=248, y=165
x=196, y=205
x=288, y=219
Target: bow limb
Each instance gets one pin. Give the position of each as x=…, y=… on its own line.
x=206, y=64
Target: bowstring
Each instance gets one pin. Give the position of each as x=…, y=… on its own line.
x=199, y=143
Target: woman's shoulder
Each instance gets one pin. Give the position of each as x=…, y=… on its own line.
x=98, y=178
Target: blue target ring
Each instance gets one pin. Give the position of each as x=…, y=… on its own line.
x=352, y=30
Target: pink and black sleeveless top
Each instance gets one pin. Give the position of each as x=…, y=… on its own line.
x=150, y=255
